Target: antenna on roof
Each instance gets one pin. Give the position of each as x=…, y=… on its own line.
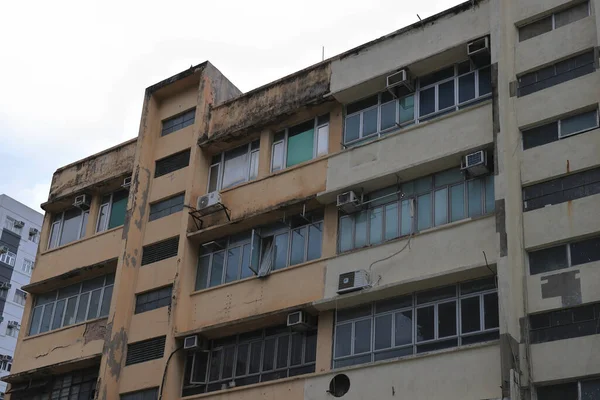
x=323, y=53
x=420, y=20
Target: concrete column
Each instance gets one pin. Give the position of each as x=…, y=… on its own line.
x=324, y=342
x=336, y=129
x=90, y=229
x=264, y=160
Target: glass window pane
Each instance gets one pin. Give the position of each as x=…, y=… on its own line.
x=215, y=365
x=571, y=15
x=407, y=109
x=427, y=101
x=233, y=264
x=564, y=391
x=590, y=390
x=457, y=202
x=585, y=251
x=105, y=306
x=407, y=218
x=315, y=238
x=448, y=177
x=94, y=304
x=213, y=178
x=102, y=218
x=352, y=131
x=255, y=355
x=383, y=332
x=70, y=312
x=82, y=307
x=283, y=343
x=535, y=28
x=35, y=320
x=228, y=355
x=475, y=190
x=296, y=352
x=343, y=340
x=254, y=156
x=54, y=235
x=469, y=315
x=447, y=319
x=441, y=207
x=298, y=243
x=300, y=147
x=345, y=233
x=490, y=201
x=202, y=272
x=446, y=95
x=246, y=271
x=362, y=336
x=375, y=225
x=423, y=184
x=391, y=221
x=424, y=212
x=277, y=161
x=322, y=140
x=370, y=122
x=550, y=259
x=485, y=81
x=281, y=250
x=45, y=326
x=70, y=229
x=58, y=314
x=578, y=123
x=466, y=87
x=269, y=355
x=490, y=310
x=235, y=167
x=403, y=328
x=388, y=115
x=118, y=209
x=425, y=323
x=310, y=347
x=361, y=229
x=216, y=272
x=242, y=359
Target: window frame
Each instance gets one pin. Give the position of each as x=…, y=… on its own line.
x=59, y=223
x=10, y=224
x=184, y=123
x=285, y=139
x=27, y=266
x=568, y=255
x=9, y=258
x=22, y=297
x=220, y=165
x=170, y=208
x=552, y=17
x=558, y=123
x=109, y=206
x=579, y=387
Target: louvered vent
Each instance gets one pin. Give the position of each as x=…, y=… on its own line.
x=172, y=163
x=160, y=251
x=146, y=350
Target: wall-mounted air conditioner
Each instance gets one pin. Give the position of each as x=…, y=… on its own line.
x=300, y=321
x=82, y=202
x=479, y=51
x=195, y=342
x=14, y=324
x=5, y=285
x=19, y=224
x=209, y=201
x=126, y=183
x=476, y=164
x=400, y=83
x=3, y=249
x=348, y=202
x=353, y=281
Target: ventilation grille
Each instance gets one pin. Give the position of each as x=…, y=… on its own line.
x=160, y=251
x=148, y=394
x=172, y=163
x=147, y=350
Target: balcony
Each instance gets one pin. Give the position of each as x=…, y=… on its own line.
x=565, y=359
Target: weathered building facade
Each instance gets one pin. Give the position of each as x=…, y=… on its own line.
x=428, y=201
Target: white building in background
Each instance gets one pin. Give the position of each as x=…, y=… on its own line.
x=20, y=234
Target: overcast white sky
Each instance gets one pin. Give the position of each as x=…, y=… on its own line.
x=73, y=73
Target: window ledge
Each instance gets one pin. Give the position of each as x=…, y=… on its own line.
x=64, y=328
x=291, y=267
x=95, y=235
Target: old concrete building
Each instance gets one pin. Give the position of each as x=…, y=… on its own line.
x=417, y=218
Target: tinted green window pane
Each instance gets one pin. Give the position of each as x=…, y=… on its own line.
x=391, y=221
x=448, y=177
x=490, y=201
x=407, y=109
x=202, y=272
x=370, y=122
x=457, y=202
x=281, y=248
x=475, y=190
x=345, y=234
x=423, y=184
x=407, y=219
x=300, y=147
x=315, y=238
x=233, y=264
x=424, y=211
x=441, y=207
x=118, y=210
x=388, y=115
x=298, y=241
x=408, y=189
x=376, y=225
x=361, y=229
x=216, y=273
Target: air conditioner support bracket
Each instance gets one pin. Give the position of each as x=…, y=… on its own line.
x=197, y=215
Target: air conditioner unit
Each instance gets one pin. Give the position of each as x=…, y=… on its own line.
x=5, y=285
x=33, y=231
x=126, y=183
x=479, y=51
x=300, y=321
x=19, y=224
x=476, y=164
x=14, y=324
x=400, y=83
x=209, y=201
x=353, y=281
x=348, y=202
x=3, y=249
x=195, y=342
x=82, y=202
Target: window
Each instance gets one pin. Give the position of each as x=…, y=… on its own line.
x=8, y=258
x=251, y=357
x=4, y=287
x=112, y=210
x=146, y=350
x=13, y=225
x=569, y=187
x=556, y=73
x=270, y=247
x=160, y=251
x=425, y=321
x=582, y=390
x=20, y=297
x=564, y=256
x=27, y=266
x=5, y=365
x=172, y=163
x=166, y=207
x=565, y=323
x=554, y=21
x=234, y=166
x=12, y=331
x=178, y=122
x=443, y=91
x=153, y=299
x=414, y=206
x=34, y=235
x=79, y=384
x=72, y=304
x=67, y=227
x=560, y=129
x=147, y=394
x=300, y=143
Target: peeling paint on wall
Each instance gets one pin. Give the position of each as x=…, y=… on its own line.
x=565, y=285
